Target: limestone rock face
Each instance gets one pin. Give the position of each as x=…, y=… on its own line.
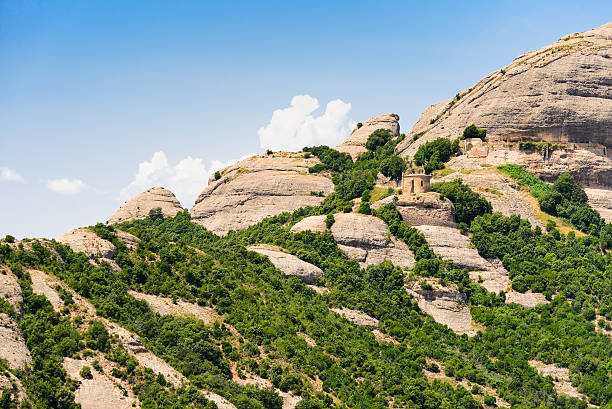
x=422, y=209
x=446, y=305
x=356, y=317
x=450, y=244
x=528, y=299
x=130, y=240
x=363, y=238
x=10, y=290
x=355, y=144
x=139, y=206
x=561, y=93
x=601, y=200
x=288, y=263
x=13, y=348
x=502, y=191
x=88, y=242
x=259, y=187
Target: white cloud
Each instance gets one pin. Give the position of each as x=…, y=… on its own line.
x=186, y=179
x=66, y=186
x=294, y=127
x=10, y=175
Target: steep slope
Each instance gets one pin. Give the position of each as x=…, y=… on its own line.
x=139, y=206
x=560, y=94
x=259, y=187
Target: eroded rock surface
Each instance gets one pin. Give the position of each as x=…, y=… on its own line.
x=289, y=264
x=450, y=244
x=258, y=187
x=10, y=290
x=100, y=392
x=43, y=284
x=601, y=200
x=561, y=378
x=130, y=240
x=139, y=206
x=363, y=238
x=494, y=281
x=446, y=305
x=561, y=94
x=422, y=209
x=166, y=306
x=13, y=348
x=502, y=191
x=355, y=144
x=88, y=242
x=356, y=317
x=527, y=299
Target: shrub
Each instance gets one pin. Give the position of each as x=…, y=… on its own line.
x=393, y=167
x=217, y=175
x=156, y=214
x=432, y=155
x=329, y=220
x=468, y=204
x=9, y=239
x=97, y=337
x=378, y=138
x=490, y=400
x=86, y=373
x=473, y=132
x=359, y=125
x=269, y=152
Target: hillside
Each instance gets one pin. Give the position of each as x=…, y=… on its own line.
x=312, y=280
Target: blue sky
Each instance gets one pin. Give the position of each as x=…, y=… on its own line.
x=101, y=98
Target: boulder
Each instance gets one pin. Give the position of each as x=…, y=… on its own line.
x=355, y=144
x=258, y=187
x=449, y=243
x=139, y=206
x=87, y=241
x=446, y=305
x=560, y=94
x=363, y=238
x=289, y=264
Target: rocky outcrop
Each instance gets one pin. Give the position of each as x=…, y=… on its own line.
x=166, y=306
x=139, y=206
x=10, y=382
x=258, y=187
x=356, y=317
x=100, y=392
x=446, y=305
x=355, y=144
x=13, y=348
x=289, y=264
x=528, y=299
x=43, y=284
x=601, y=200
x=494, y=281
x=502, y=191
x=130, y=240
x=560, y=377
x=363, y=238
x=10, y=290
x=561, y=94
x=422, y=209
x=87, y=241
x=450, y=244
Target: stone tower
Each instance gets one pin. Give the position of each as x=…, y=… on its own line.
x=413, y=183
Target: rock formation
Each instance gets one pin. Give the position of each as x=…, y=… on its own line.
x=363, y=238
x=601, y=200
x=10, y=290
x=87, y=241
x=166, y=306
x=139, y=206
x=422, y=209
x=289, y=264
x=560, y=94
x=528, y=299
x=13, y=348
x=258, y=187
x=446, y=305
x=356, y=317
x=355, y=144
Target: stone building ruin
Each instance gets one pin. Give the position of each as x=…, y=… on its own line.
x=413, y=183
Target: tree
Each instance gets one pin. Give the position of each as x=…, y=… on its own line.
x=473, y=132
x=156, y=214
x=569, y=189
x=378, y=138
x=393, y=167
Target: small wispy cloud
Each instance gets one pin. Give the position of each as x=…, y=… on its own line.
x=66, y=186
x=10, y=175
x=295, y=127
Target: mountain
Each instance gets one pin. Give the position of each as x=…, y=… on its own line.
x=312, y=280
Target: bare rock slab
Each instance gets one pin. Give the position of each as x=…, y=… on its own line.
x=166, y=306
x=43, y=284
x=446, y=305
x=139, y=206
x=259, y=187
x=289, y=264
x=450, y=244
x=601, y=200
x=528, y=299
x=87, y=241
x=561, y=378
x=13, y=348
x=356, y=317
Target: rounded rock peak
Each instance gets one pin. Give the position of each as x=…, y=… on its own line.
x=140, y=205
x=355, y=144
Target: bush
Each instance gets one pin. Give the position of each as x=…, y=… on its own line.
x=468, y=204
x=329, y=220
x=269, y=152
x=86, y=373
x=393, y=167
x=156, y=214
x=490, y=400
x=217, y=175
x=378, y=138
x=97, y=336
x=359, y=125
x=9, y=239
x=473, y=132
x=432, y=155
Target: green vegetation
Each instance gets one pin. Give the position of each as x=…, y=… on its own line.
x=468, y=204
x=537, y=187
x=473, y=132
x=432, y=155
